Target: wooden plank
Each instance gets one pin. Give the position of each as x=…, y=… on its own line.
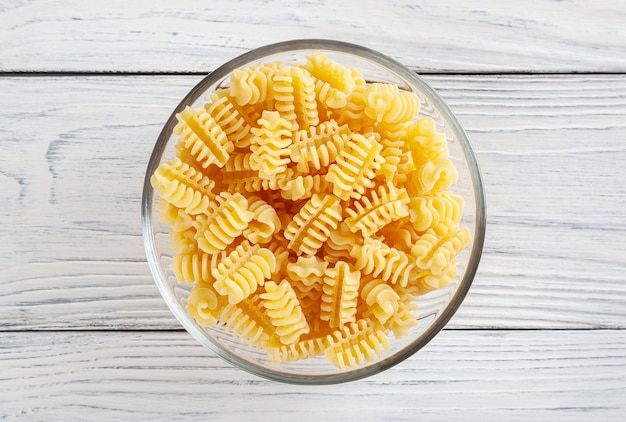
x=73, y=152
x=461, y=375
x=432, y=36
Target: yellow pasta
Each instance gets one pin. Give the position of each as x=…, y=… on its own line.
x=334, y=81
x=339, y=244
x=319, y=146
x=205, y=140
x=391, y=106
x=193, y=268
x=437, y=247
x=302, y=349
x=377, y=209
x=355, y=344
x=265, y=222
x=391, y=264
x=238, y=274
x=284, y=311
x=229, y=117
x=184, y=242
x=303, y=187
x=308, y=269
x=310, y=228
x=431, y=210
x=381, y=300
x=309, y=210
x=183, y=186
x=404, y=318
x=425, y=143
x=356, y=167
x=247, y=321
x=270, y=145
x=250, y=113
x=253, y=85
x=305, y=103
x=205, y=305
x=238, y=176
x=284, y=97
x=225, y=219
x=432, y=176
x=353, y=113
x=341, y=290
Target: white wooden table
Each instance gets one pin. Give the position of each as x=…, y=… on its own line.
x=540, y=87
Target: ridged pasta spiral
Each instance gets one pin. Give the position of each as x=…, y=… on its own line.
x=302, y=349
x=353, y=113
x=429, y=211
x=340, y=242
x=432, y=176
x=193, y=267
x=303, y=187
x=184, y=242
x=334, y=81
x=427, y=281
x=184, y=187
x=265, y=222
x=341, y=292
x=238, y=274
x=356, y=167
x=374, y=211
x=433, y=171
x=400, y=235
x=170, y=214
x=284, y=97
x=238, y=176
x=390, y=105
x=270, y=145
x=284, y=311
x=392, y=265
x=205, y=140
x=404, y=318
x=305, y=103
x=205, y=305
x=228, y=116
x=247, y=321
x=306, y=276
x=355, y=344
x=308, y=269
x=318, y=146
x=381, y=300
x=310, y=228
x=250, y=113
x=309, y=297
x=436, y=248
x=425, y=143
x=392, y=140
x=253, y=84
x=225, y=219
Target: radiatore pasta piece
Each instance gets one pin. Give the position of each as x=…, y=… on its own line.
x=309, y=210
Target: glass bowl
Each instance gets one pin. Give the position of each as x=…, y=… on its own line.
x=435, y=308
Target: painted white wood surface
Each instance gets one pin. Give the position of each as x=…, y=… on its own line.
x=551, y=150
x=84, y=334
x=461, y=375
x=197, y=36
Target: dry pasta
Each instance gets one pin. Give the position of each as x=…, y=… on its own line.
x=309, y=210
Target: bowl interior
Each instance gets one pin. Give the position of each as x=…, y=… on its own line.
x=435, y=308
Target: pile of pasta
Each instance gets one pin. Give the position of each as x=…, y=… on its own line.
x=310, y=209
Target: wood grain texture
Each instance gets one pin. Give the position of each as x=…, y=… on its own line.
x=431, y=36
x=461, y=375
x=71, y=169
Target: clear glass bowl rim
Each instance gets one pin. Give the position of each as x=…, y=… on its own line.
x=395, y=67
